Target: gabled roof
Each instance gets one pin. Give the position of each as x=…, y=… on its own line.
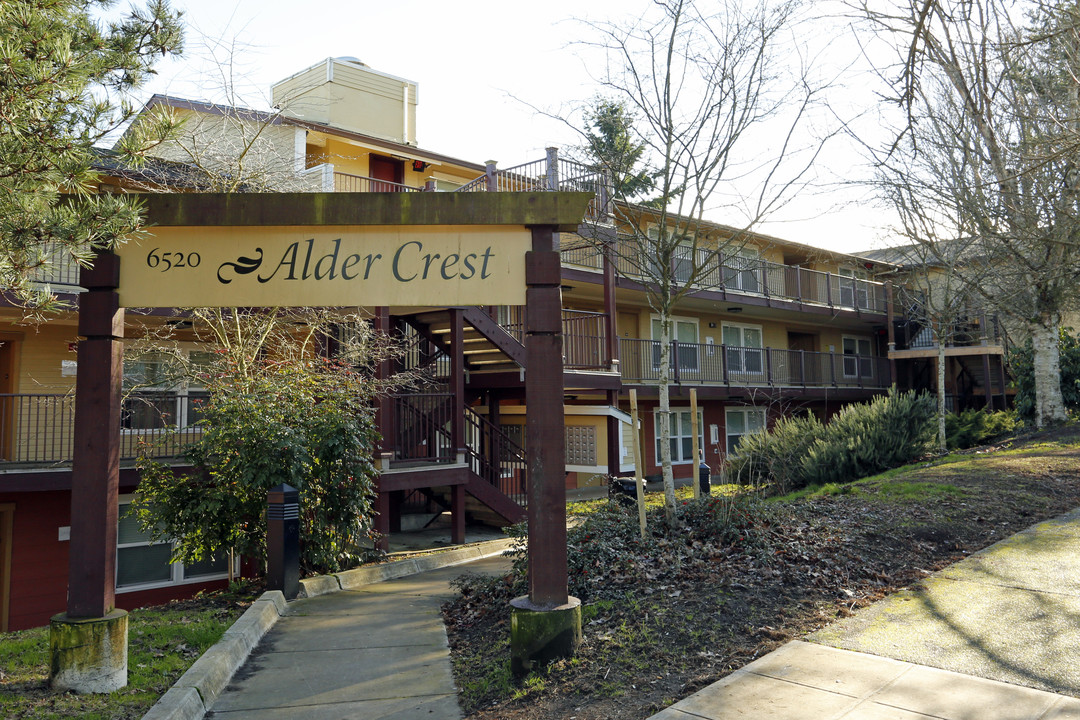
x=277, y=118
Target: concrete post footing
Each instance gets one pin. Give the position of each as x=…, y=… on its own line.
x=88, y=655
x=539, y=635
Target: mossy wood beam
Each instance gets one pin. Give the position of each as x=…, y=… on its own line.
x=562, y=210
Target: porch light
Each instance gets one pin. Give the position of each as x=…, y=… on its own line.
x=734, y=309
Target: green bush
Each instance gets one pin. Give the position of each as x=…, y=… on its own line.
x=861, y=440
x=974, y=427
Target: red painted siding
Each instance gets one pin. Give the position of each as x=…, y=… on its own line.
x=39, y=563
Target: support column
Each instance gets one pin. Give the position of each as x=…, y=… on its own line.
x=457, y=382
x=89, y=641
x=891, y=330
x=614, y=433
x=988, y=383
x=546, y=624
x=384, y=421
x=610, y=311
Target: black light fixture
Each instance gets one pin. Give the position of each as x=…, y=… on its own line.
x=734, y=309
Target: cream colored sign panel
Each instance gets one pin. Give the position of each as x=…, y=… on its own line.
x=325, y=266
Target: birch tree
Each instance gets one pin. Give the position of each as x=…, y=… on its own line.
x=989, y=93
x=701, y=85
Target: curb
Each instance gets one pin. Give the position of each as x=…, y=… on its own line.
x=197, y=689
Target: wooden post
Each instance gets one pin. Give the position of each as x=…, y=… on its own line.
x=695, y=445
x=988, y=382
x=95, y=470
x=639, y=463
x=544, y=423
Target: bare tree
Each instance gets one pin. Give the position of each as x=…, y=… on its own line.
x=718, y=98
x=985, y=154
x=934, y=294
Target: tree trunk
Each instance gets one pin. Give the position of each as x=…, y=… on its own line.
x=942, y=441
x=663, y=417
x=1049, y=404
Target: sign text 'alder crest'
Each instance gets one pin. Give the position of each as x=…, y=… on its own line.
x=327, y=266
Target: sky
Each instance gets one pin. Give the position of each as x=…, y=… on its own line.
x=484, y=68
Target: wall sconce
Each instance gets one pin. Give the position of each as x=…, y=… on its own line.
x=712, y=325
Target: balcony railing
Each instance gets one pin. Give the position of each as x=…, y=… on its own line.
x=343, y=182
x=584, y=335
x=697, y=364
x=740, y=275
x=972, y=329
x=39, y=430
x=551, y=174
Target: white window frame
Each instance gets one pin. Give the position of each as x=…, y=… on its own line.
x=854, y=364
x=743, y=351
x=691, y=351
x=857, y=293
x=678, y=438
x=176, y=570
x=182, y=392
x=745, y=411
x=741, y=270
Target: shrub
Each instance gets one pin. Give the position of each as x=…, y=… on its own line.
x=860, y=440
x=974, y=427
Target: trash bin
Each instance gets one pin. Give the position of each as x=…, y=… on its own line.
x=704, y=483
x=623, y=490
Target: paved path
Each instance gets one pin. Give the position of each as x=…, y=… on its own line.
x=376, y=653
x=993, y=637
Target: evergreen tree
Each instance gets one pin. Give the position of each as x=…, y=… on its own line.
x=65, y=82
x=611, y=143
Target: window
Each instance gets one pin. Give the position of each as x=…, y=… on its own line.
x=140, y=564
x=741, y=270
x=741, y=422
x=686, y=333
x=853, y=288
x=682, y=436
x=857, y=358
x=159, y=395
x=745, y=353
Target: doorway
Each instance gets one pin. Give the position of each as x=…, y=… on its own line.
x=386, y=173
x=9, y=363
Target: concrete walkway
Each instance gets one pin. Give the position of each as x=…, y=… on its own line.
x=993, y=637
x=378, y=652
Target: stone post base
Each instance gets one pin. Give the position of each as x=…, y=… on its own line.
x=89, y=655
x=540, y=635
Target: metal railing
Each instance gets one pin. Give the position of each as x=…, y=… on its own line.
x=344, y=182
x=730, y=273
x=60, y=269
x=551, y=174
x=584, y=335
x=496, y=458
x=973, y=328
x=39, y=429
x=422, y=427
x=697, y=364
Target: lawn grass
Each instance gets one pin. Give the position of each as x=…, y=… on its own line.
x=163, y=642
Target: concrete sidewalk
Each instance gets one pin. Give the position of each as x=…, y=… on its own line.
x=377, y=652
x=993, y=637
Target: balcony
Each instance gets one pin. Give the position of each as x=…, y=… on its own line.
x=728, y=366
x=38, y=430
x=973, y=332
x=736, y=275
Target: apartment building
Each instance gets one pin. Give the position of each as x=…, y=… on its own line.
x=771, y=327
